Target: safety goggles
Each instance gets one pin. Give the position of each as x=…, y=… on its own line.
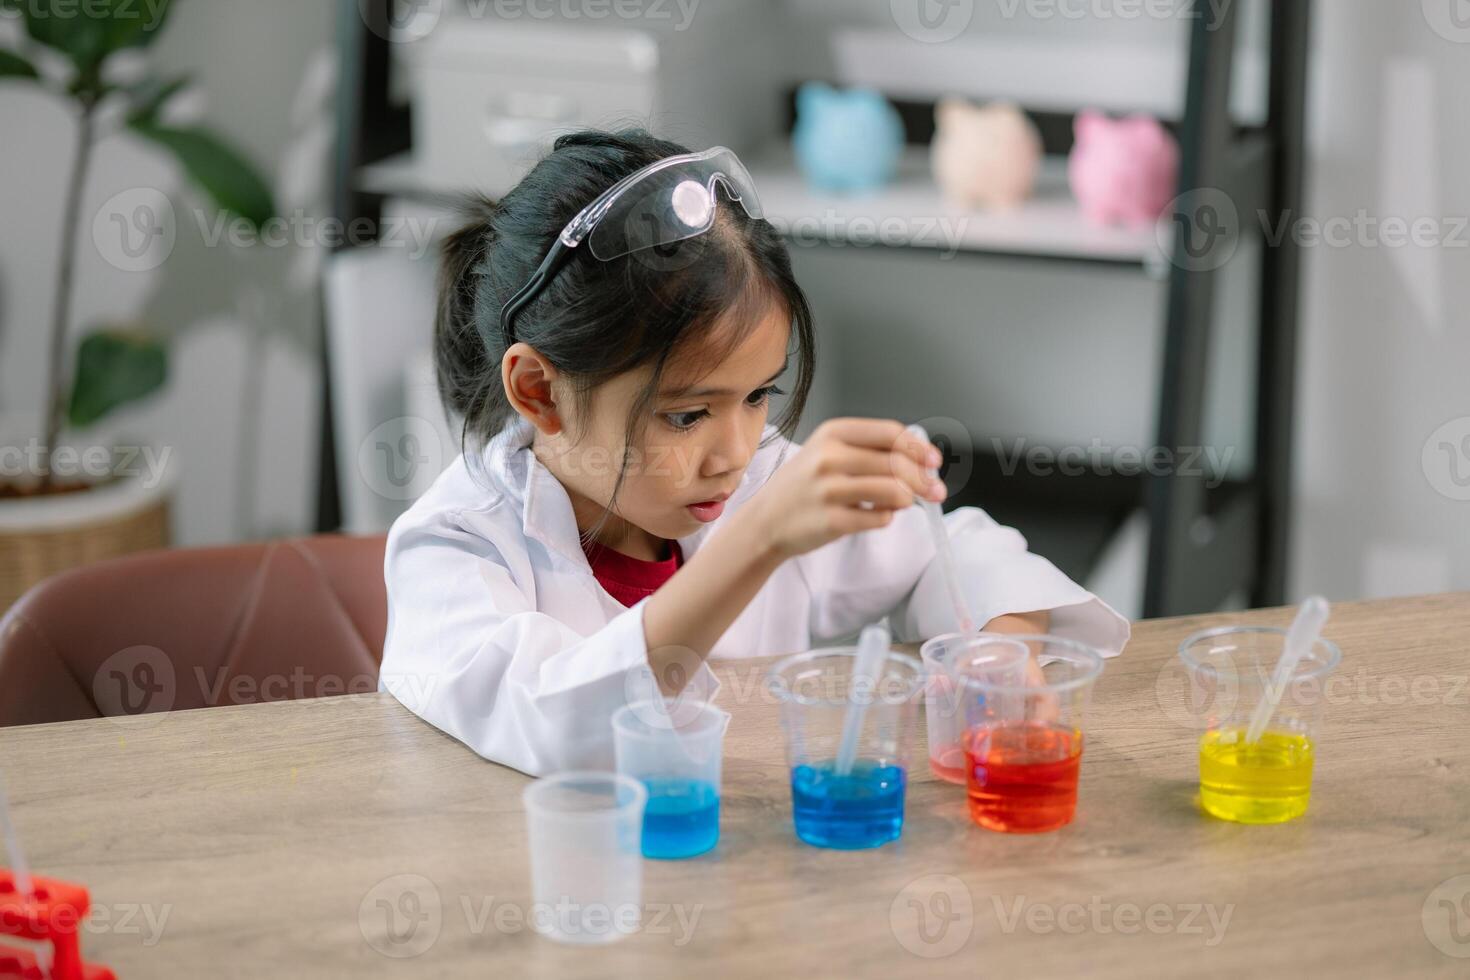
x=663, y=203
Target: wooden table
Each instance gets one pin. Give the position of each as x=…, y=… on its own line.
x=269, y=834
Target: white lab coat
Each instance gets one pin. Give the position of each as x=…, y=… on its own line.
x=500, y=635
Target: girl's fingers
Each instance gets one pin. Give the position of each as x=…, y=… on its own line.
x=850, y=520
x=884, y=434
x=854, y=461
x=881, y=491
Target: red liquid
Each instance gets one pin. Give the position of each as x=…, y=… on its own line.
x=951, y=765
x=1022, y=779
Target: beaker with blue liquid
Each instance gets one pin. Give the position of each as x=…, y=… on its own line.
x=674, y=748
x=864, y=806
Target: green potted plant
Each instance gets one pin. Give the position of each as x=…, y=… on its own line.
x=53, y=516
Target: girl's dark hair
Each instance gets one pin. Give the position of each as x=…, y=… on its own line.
x=596, y=319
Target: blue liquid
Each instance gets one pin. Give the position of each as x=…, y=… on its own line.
x=862, y=809
x=682, y=818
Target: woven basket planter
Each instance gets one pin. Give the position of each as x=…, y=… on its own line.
x=41, y=536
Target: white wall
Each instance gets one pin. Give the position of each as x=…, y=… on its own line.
x=1386, y=341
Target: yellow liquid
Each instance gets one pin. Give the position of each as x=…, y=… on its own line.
x=1268, y=782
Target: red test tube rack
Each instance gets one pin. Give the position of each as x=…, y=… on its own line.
x=52, y=912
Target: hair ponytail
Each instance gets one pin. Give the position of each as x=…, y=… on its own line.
x=462, y=360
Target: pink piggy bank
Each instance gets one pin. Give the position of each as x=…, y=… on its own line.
x=1123, y=170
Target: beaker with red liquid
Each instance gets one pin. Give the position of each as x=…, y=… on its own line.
x=1023, y=738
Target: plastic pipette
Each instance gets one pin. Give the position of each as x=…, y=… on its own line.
x=872, y=649
x=935, y=516
x=1300, y=639
x=12, y=845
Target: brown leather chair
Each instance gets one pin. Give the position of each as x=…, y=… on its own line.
x=194, y=628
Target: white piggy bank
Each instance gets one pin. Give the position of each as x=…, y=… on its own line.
x=984, y=156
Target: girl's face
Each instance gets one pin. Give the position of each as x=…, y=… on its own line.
x=705, y=425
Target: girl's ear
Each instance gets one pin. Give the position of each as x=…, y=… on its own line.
x=527, y=376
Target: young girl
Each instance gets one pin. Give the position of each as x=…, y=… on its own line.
x=612, y=332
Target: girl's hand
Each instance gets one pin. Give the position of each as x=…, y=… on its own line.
x=851, y=475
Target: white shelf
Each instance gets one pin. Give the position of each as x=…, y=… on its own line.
x=908, y=212
x=911, y=209
x=402, y=176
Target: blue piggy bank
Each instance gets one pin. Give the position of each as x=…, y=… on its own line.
x=846, y=140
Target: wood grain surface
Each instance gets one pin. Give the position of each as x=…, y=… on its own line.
x=319, y=837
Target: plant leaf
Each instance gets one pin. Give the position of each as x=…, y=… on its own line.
x=114, y=367
x=13, y=65
x=225, y=176
x=149, y=97
x=87, y=31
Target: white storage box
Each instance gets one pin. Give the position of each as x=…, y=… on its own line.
x=491, y=94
